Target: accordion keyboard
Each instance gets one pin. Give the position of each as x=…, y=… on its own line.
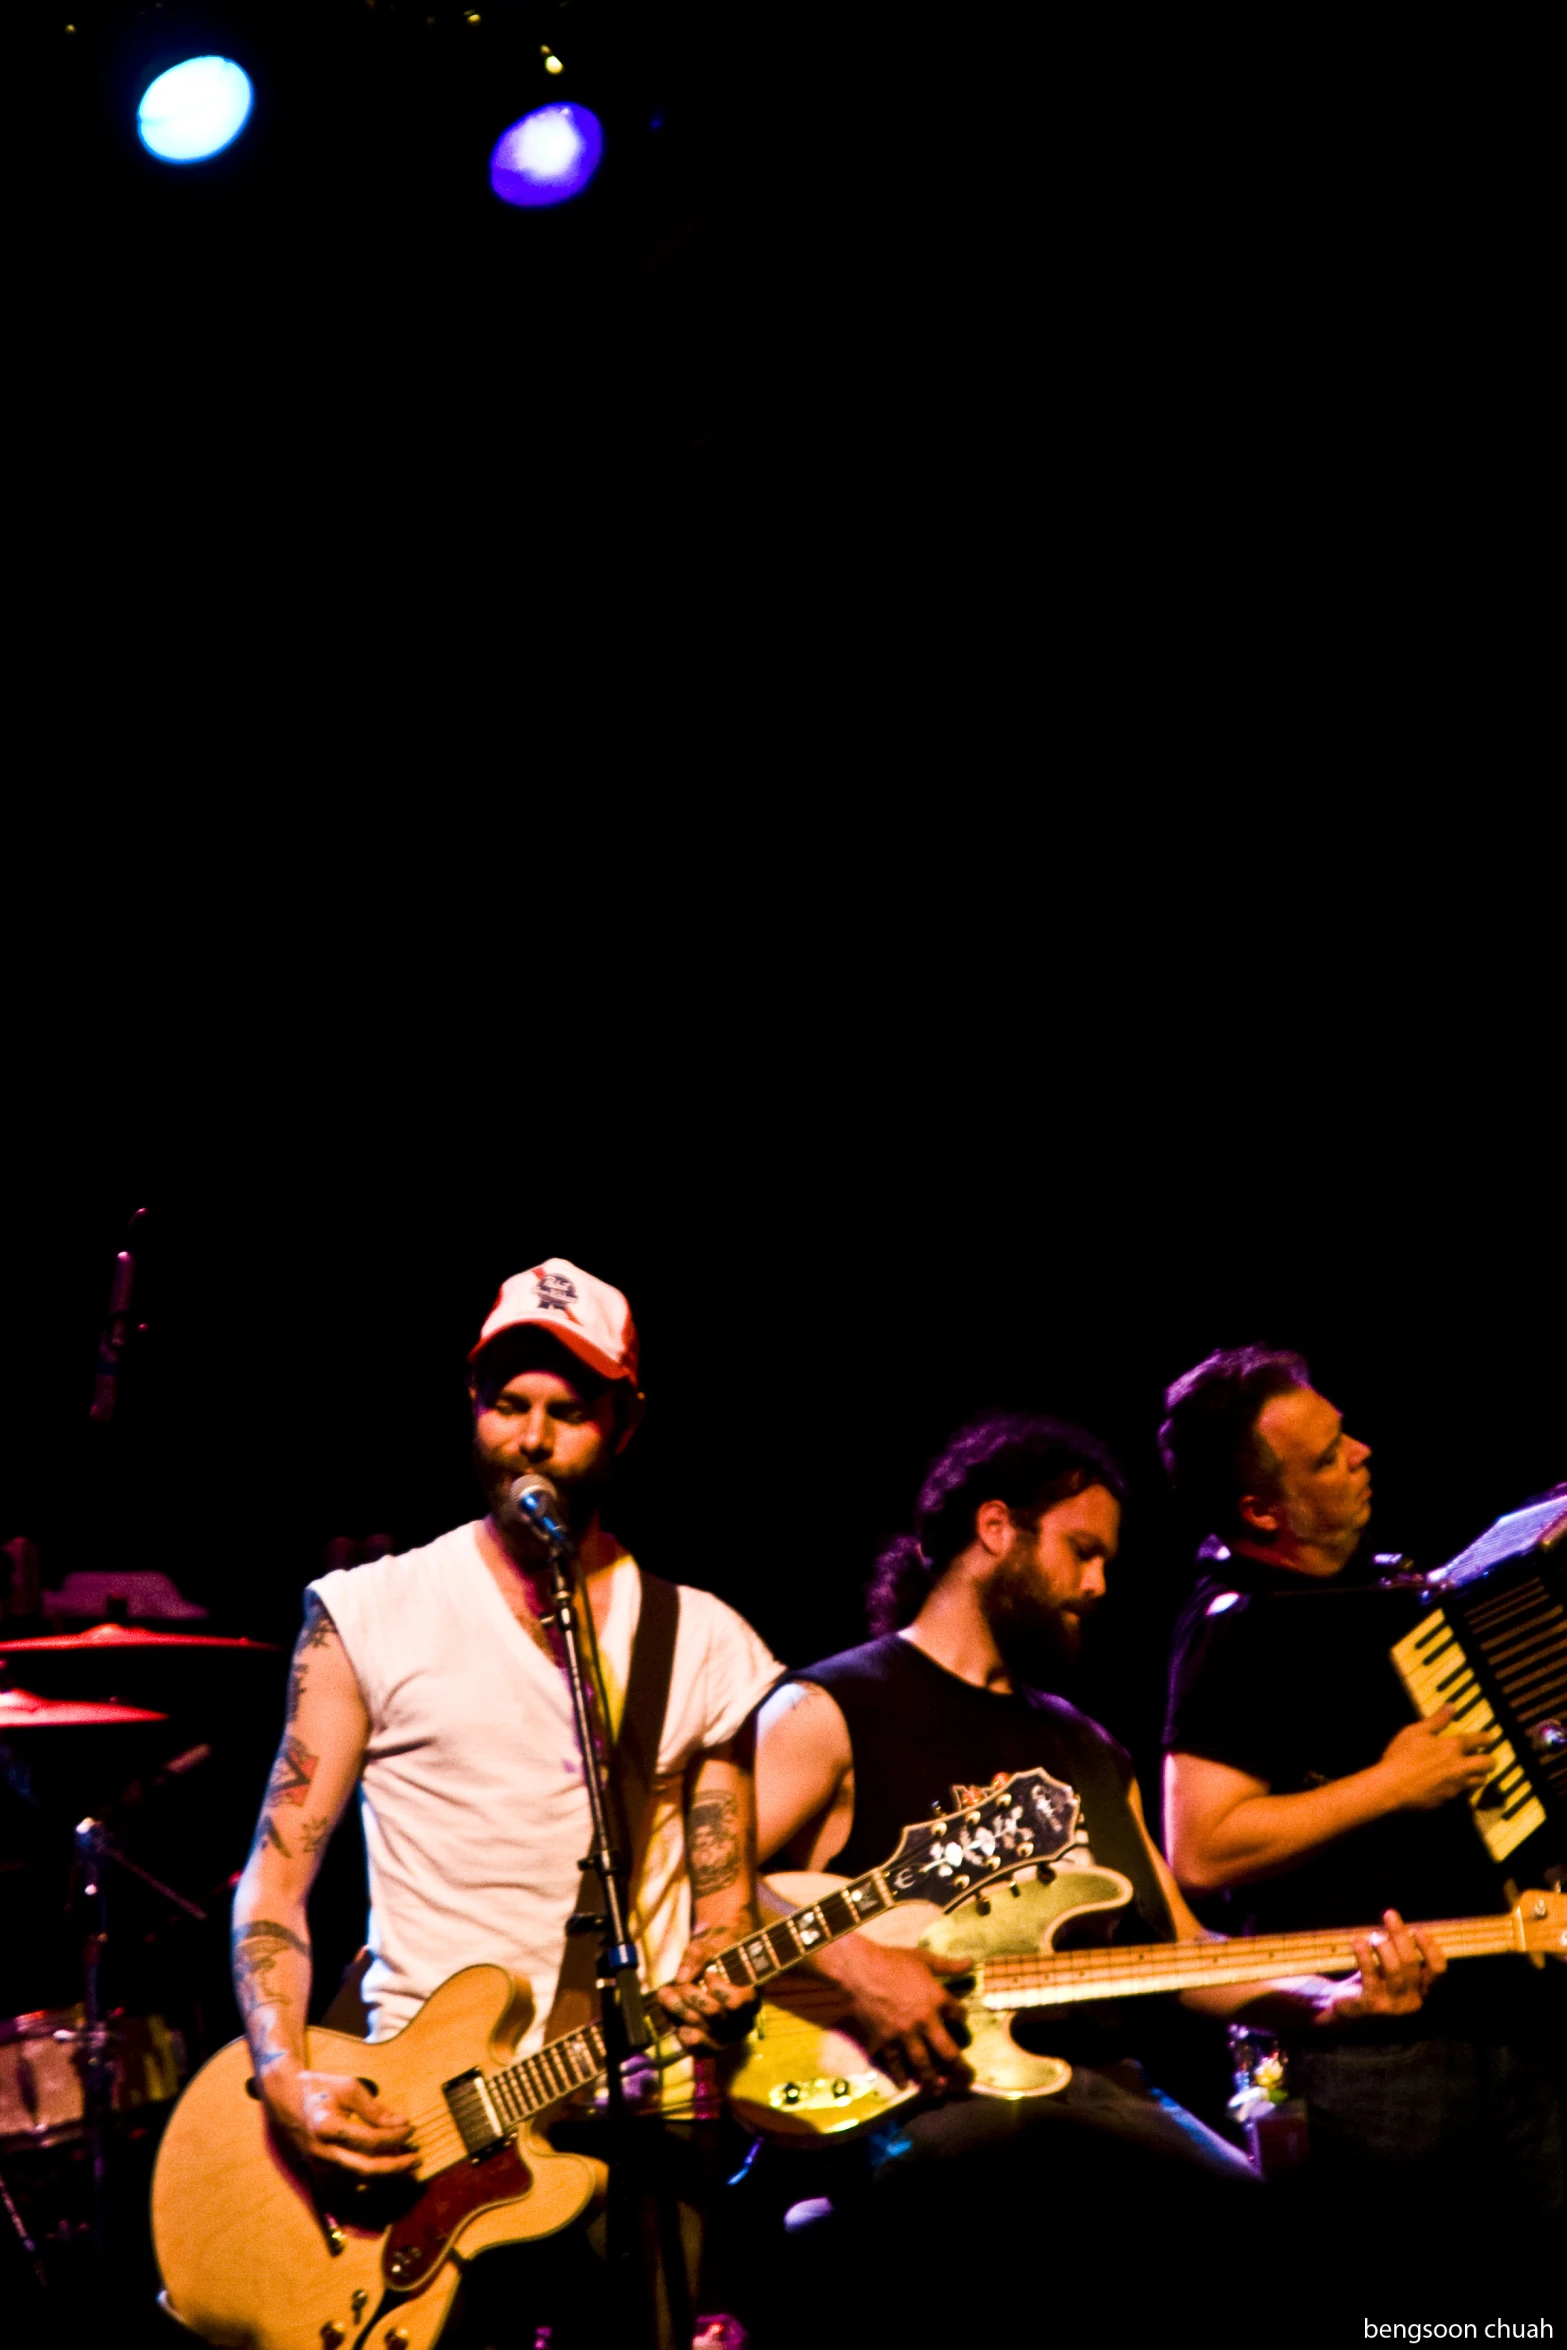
x=1436, y=1672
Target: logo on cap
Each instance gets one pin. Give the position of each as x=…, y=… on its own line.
x=553, y=1290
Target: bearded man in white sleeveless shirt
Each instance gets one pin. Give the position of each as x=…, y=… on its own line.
x=429, y=1681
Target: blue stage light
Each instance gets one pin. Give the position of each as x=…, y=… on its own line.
x=549, y=155
x=194, y=110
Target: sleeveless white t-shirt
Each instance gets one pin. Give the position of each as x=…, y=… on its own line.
x=475, y=1814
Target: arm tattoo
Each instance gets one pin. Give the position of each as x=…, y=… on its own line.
x=257, y=1946
x=317, y=1632
x=713, y=1844
x=269, y=1932
x=294, y=1767
x=292, y=1772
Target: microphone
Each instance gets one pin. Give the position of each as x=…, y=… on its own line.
x=116, y=1328
x=537, y=1503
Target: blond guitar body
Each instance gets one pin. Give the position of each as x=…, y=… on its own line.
x=801, y=2076
x=250, y=2258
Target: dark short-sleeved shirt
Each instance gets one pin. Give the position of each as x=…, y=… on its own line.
x=1291, y=1681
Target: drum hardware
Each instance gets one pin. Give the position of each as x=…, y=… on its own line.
x=127, y=1638
x=19, y=2227
x=23, y=1709
x=97, y=1853
x=40, y=2076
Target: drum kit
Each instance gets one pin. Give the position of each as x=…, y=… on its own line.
x=70, y=2076
x=155, y=1728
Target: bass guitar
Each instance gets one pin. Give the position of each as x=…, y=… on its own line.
x=801, y=2075
x=260, y=2253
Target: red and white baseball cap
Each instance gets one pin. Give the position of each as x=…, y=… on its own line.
x=581, y=1313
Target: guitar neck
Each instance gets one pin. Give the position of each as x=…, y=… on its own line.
x=1055, y=1978
x=576, y=2059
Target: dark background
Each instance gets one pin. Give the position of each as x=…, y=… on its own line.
x=917, y=733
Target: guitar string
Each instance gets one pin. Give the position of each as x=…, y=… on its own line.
x=436, y=2119
x=1019, y=1976
x=1463, y=1936
x=436, y=2116
x=1022, y=1970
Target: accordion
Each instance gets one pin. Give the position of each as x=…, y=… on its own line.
x=1492, y=1643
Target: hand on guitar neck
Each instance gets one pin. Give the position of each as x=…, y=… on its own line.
x=706, y=2009
x=1397, y=1965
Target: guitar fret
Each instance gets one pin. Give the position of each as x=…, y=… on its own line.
x=759, y=1957
x=1163, y=1964
x=837, y=1915
x=550, y=2073
x=734, y=1966
x=809, y=1927
x=784, y=1944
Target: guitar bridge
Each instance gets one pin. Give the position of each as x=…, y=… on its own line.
x=472, y=2108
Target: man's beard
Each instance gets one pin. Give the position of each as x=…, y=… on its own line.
x=579, y=1496
x=1035, y=1636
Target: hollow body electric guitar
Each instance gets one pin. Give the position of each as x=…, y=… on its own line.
x=257, y=2252
x=802, y=2076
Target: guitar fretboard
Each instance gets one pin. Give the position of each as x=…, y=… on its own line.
x=577, y=2059
x=1056, y=1977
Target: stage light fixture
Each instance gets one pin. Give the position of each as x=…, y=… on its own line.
x=196, y=109
x=547, y=157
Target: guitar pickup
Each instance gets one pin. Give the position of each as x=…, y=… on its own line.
x=472, y=2108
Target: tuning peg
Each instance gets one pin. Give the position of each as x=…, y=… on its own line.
x=981, y=1905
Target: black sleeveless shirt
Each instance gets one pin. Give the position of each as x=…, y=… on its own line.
x=915, y=1729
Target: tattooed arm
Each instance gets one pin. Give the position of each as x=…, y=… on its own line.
x=721, y=1859
x=327, y=2117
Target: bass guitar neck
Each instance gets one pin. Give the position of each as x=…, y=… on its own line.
x=804, y=2075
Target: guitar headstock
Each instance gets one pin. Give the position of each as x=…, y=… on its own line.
x=1543, y=1920
x=1027, y=1819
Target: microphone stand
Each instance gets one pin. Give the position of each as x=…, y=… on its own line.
x=623, y=2017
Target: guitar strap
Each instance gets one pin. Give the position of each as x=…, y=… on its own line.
x=633, y=1768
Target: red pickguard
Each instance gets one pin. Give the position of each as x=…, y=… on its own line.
x=418, y=2242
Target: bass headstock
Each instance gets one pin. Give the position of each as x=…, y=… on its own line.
x=1542, y=1921
x=1026, y=1820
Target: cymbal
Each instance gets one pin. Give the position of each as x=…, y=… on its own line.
x=113, y=1636
x=21, y=1710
